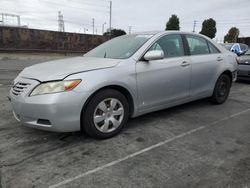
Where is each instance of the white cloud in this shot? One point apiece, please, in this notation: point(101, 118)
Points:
point(140, 14)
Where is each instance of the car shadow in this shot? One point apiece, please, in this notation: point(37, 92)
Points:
point(166, 113)
point(243, 81)
point(32, 142)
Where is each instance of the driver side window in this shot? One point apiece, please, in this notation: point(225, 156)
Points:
point(171, 45)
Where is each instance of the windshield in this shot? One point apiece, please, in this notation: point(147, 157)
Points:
point(119, 48)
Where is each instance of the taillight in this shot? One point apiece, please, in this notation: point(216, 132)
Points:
point(237, 60)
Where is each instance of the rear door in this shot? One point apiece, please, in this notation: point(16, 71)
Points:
point(205, 59)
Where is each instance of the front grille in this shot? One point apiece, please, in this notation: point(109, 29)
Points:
point(19, 87)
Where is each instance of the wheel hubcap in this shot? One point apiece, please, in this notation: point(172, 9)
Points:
point(222, 89)
point(108, 115)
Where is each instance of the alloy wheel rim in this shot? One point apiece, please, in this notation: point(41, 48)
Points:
point(108, 115)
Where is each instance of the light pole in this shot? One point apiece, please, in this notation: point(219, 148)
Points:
point(103, 27)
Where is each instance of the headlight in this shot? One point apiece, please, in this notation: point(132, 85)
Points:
point(55, 87)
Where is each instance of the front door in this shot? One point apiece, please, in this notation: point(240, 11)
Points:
point(167, 80)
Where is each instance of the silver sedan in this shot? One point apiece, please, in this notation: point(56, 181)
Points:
point(125, 77)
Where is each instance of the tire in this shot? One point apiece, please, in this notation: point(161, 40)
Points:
point(221, 89)
point(105, 114)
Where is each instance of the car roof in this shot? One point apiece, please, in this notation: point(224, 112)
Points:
point(159, 33)
point(162, 32)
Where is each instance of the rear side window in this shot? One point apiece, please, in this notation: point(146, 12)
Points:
point(197, 45)
point(171, 45)
point(213, 49)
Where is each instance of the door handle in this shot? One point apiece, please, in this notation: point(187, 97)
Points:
point(185, 64)
point(219, 58)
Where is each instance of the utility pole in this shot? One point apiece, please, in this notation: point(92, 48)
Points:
point(60, 22)
point(103, 27)
point(195, 23)
point(93, 25)
point(110, 16)
point(129, 29)
point(18, 21)
point(2, 20)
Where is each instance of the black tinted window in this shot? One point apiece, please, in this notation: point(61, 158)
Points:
point(171, 45)
point(197, 45)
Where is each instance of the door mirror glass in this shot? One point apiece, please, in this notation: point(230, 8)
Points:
point(154, 55)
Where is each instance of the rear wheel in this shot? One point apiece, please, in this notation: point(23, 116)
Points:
point(221, 90)
point(106, 114)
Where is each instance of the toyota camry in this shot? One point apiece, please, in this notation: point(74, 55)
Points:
point(123, 78)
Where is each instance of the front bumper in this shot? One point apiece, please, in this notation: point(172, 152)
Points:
point(58, 112)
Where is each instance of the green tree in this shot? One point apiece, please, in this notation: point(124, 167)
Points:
point(115, 33)
point(209, 28)
point(173, 23)
point(232, 35)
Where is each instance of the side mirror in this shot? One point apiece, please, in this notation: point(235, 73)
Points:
point(154, 55)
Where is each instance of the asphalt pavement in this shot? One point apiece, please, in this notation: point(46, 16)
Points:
point(193, 145)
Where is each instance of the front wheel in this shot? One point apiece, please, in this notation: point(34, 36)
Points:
point(106, 114)
point(221, 89)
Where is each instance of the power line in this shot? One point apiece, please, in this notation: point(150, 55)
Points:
point(96, 5)
point(82, 8)
point(89, 24)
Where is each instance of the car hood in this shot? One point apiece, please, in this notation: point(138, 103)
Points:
point(59, 69)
